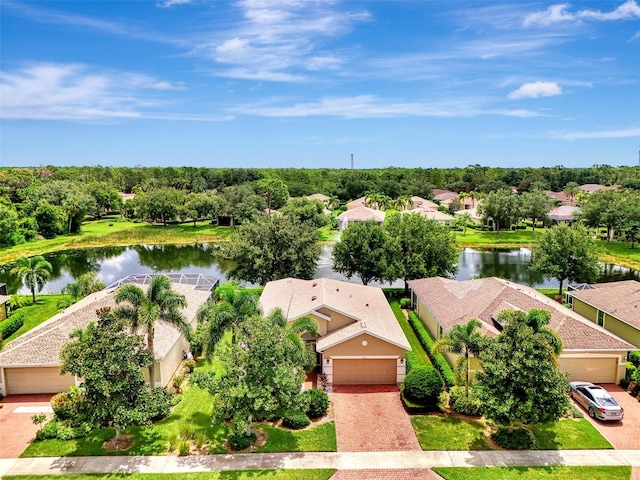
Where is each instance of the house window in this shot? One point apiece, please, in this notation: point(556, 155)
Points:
point(570, 300)
point(414, 301)
point(440, 331)
point(601, 318)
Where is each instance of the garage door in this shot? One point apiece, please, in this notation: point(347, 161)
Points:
point(364, 372)
point(595, 370)
point(36, 380)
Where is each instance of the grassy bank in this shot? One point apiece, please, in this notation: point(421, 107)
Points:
point(119, 232)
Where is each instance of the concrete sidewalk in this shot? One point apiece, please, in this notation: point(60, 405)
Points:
point(337, 460)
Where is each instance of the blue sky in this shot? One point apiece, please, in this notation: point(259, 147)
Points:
point(302, 83)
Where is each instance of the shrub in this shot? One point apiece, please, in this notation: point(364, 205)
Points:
point(461, 403)
point(427, 341)
point(240, 441)
point(196, 339)
point(11, 325)
point(295, 420)
point(634, 357)
point(63, 303)
point(631, 370)
point(318, 402)
point(62, 431)
point(176, 382)
point(64, 405)
point(183, 448)
point(189, 366)
point(158, 404)
point(624, 383)
point(514, 438)
point(423, 385)
point(411, 360)
point(188, 432)
point(201, 439)
point(405, 303)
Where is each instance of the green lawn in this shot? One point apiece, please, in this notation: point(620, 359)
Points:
point(310, 474)
point(620, 253)
point(569, 434)
point(117, 231)
point(45, 307)
point(506, 238)
point(437, 432)
point(534, 473)
point(321, 438)
point(416, 347)
point(194, 412)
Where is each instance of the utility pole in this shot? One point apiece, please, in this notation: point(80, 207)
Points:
point(352, 160)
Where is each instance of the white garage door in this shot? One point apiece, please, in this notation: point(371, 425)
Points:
point(36, 380)
point(364, 372)
point(595, 370)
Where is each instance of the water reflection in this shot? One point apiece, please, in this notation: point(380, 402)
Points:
point(113, 263)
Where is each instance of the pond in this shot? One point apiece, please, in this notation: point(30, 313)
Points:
point(113, 263)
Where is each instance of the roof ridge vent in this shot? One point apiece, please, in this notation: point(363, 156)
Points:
point(314, 298)
point(314, 284)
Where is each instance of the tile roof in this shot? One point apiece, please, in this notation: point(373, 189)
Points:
point(419, 202)
point(432, 214)
point(453, 303)
point(618, 299)
point(592, 187)
point(358, 202)
point(367, 306)
point(41, 345)
point(446, 196)
point(564, 212)
point(360, 214)
point(318, 196)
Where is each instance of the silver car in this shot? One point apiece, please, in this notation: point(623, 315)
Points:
point(596, 400)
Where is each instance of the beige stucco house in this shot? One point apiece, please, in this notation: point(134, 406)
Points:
point(360, 214)
point(3, 306)
point(614, 306)
point(360, 340)
point(590, 353)
point(31, 363)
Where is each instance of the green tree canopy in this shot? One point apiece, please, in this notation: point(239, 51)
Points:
point(262, 378)
point(108, 358)
point(366, 250)
point(536, 206)
point(521, 380)
point(502, 207)
point(86, 284)
point(427, 248)
point(274, 191)
point(271, 247)
point(308, 211)
point(566, 253)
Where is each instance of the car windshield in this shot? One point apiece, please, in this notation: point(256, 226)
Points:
point(607, 402)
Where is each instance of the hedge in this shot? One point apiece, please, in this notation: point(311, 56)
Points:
point(11, 325)
point(427, 342)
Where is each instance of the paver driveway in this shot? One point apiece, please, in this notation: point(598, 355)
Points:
point(370, 418)
point(399, 474)
point(623, 435)
point(16, 429)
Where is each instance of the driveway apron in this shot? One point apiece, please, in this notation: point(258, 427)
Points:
point(371, 418)
point(399, 474)
point(16, 427)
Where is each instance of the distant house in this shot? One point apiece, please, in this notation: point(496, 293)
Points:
point(318, 196)
point(358, 202)
point(31, 362)
point(590, 353)
point(435, 215)
point(564, 213)
point(126, 196)
point(360, 340)
point(3, 301)
point(592, 187)
point(614, 306)
point(422, 203)
point(558, 197)
point(360, 214)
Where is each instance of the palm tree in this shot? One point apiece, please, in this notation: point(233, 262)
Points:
point(34, 271)
point(300, 351)
point(537, 320)
point(463, 219)
point(571, 189)
point(462, 340)
point(230, 307)
point(142, 310)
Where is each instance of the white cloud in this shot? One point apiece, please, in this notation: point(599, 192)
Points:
point(630, 132)
point(535, 90)
point(371, 106)
point(49, 91)
point(171, 3)
point(280, 40)
point(560, 13)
